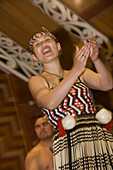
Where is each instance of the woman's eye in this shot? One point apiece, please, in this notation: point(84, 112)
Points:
point(38, 45)
point(47, 40)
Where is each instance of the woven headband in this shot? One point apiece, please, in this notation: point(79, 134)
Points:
point(38, 35)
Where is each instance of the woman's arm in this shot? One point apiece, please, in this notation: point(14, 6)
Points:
point(98, 81)
point(50, 99)
point(102, 80)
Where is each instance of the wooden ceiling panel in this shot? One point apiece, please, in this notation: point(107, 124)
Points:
point(98, 13)
point(79, 6)
point(104, 22)
point(20, 20)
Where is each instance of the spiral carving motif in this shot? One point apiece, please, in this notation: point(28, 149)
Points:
point(74, 24)
point(16, 59)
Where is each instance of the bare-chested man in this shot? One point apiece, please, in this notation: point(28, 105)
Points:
point(41, 157)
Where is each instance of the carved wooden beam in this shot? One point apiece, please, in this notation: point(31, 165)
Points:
point(17, 60)
point(74, 24)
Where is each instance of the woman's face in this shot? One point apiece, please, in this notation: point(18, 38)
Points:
point(45, 49)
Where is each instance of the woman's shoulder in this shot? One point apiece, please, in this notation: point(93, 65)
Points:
point(35, 78)
point(36, 81)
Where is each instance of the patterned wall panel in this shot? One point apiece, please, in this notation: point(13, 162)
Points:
point(12, 143)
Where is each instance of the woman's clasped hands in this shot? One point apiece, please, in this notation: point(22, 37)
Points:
point(89, 49)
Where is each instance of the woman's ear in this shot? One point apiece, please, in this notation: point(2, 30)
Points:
point(34, 57)
point(59, 46)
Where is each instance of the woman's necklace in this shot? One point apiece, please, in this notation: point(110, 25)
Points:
point(60, 78)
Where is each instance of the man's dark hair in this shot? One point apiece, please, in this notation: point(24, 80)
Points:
point(38, 116)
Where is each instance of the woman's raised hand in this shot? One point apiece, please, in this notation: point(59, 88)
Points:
point(81, 57)
point(94, 50)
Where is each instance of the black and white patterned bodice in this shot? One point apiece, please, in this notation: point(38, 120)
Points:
point(78, 101)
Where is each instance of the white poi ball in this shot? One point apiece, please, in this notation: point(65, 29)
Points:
point(104, 116)
point(68, 122)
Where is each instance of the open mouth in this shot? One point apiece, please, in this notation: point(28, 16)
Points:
point(46, 50)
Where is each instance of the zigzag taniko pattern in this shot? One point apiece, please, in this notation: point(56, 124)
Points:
point(78, 101)
point(86, 146)
point(12, 144)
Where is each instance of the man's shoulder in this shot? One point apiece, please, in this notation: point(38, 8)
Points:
point(32, 156)
point(33, 152)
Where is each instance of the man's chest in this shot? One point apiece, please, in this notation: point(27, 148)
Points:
point(45, 160)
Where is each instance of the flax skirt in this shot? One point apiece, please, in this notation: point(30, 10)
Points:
point(88, 146)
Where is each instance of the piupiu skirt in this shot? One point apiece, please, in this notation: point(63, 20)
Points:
point(88, 146)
